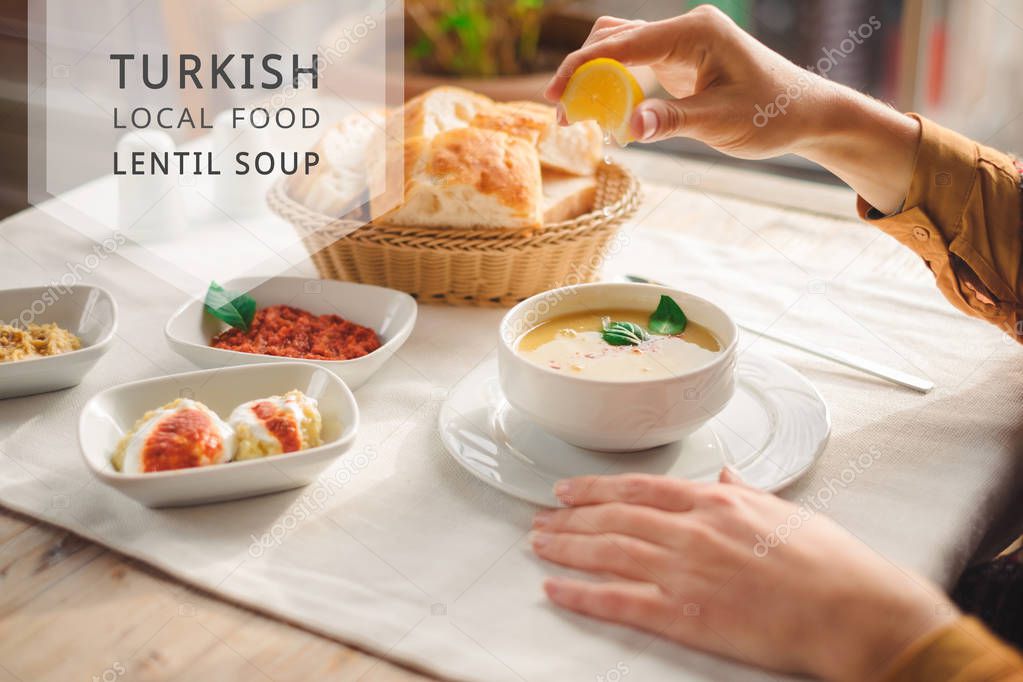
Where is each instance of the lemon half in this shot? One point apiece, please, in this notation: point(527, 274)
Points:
point(604, 91)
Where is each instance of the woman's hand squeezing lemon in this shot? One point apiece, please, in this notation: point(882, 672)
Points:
point(733, 93)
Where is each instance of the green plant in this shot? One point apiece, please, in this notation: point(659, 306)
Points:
point(476, 37)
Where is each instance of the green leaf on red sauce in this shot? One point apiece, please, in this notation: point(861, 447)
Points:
point(236, 308)
point(668, 319)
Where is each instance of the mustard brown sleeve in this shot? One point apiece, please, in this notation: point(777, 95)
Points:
point(964, 651)
point(963, 217)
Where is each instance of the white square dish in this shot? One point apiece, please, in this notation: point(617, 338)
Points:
point(110, 414)
point(391, 314)
point(88, 312)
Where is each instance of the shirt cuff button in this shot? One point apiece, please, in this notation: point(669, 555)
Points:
point(921, 234)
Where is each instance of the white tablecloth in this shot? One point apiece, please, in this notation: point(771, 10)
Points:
point(410, 557)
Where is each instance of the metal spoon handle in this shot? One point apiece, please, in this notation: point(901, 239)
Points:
point(876, 369)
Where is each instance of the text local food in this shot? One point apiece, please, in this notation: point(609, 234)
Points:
point(231, 71)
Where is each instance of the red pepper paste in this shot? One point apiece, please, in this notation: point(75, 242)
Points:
point(182, 440)
point(295, 333)
point(281, 424)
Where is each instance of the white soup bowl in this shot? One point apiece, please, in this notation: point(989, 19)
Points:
point(616, 416)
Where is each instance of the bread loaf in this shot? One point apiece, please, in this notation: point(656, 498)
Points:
point(575, 149)
point(469, 178)
point(453, 158)
point(337, 184)
point(566, 196)
point(520, 122)
point(440, 109)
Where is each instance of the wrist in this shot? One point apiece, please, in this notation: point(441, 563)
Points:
point(888, 625)
point(867, 144)
point(830, 123)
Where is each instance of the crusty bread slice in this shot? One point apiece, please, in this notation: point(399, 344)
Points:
point(440, 109)
point(423, 117)
point(465, 162)
point(575, 149)
point(566, 196)
point(468, 178)
point(337, 183)
point(527, 123)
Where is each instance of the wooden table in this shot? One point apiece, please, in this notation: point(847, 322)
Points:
point(94, 614)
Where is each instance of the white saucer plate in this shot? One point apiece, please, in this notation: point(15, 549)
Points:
point(771, 432)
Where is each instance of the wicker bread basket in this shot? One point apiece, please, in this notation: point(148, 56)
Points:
point(462, 266)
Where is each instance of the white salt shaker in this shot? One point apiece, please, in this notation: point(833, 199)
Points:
point(238, 195)
point(149, 204)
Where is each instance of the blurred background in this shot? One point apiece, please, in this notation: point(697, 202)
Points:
point(959, 62)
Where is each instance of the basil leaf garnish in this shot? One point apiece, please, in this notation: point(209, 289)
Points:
point(623, 333)
point(668, 319)
point(233, 307)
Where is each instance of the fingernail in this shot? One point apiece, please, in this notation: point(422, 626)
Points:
point(542, 518)
point(648, 124)
point(563, 491)
point(732, 473)
point(540, 539)
point(561, 115)
point(552, 588)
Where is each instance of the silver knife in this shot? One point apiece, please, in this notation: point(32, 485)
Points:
point(870, 367)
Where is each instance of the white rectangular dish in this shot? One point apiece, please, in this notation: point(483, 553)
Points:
point(110, 414)
point(88, 312)
point(391, 314)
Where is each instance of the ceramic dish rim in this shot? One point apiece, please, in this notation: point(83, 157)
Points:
point(723, 356)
